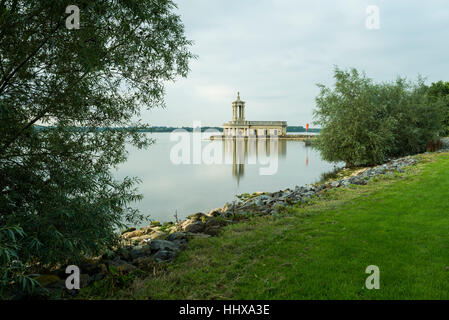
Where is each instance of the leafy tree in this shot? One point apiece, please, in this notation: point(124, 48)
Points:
point(355, 126)
point(56, 187)
point(417, 118)
point(364, 123)
point(439, 92)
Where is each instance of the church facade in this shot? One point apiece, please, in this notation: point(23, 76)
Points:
point(240, 127)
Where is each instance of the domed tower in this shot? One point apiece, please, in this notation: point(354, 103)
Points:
point(238, 109)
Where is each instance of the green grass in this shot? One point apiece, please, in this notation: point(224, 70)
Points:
point(399, 223)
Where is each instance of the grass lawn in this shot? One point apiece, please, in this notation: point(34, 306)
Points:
point(399, 223)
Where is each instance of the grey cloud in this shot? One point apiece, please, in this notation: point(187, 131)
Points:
point(274, 52)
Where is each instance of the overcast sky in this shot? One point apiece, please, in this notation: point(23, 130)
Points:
point(275, 51)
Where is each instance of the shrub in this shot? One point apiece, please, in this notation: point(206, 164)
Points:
point(417, 118)
point(439, 92)
point(356, 128)
point(363, 123)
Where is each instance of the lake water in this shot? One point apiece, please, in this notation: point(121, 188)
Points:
point(170, 188)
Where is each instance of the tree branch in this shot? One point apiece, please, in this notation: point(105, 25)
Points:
point(28, 58)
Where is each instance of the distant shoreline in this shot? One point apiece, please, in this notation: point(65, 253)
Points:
point(162, 129)
point(297, 137)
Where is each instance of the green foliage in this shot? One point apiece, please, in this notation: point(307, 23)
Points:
point(58, 198)
point(155, 223)
point(11, 268)
point(439, 92)
point(111, 284)
point(363, 123)
point(355, 126)
point(417, 119)
point(167, 226)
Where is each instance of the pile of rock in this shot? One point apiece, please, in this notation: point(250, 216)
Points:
point(270, 203)
point(196, 225)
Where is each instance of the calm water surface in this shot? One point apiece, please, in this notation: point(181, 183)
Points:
point(169, 188)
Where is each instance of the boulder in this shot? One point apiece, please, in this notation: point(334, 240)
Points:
point(194, 227)
point(139, 251)
point(147, 237)
point(157, 235)
point(214, 212)
point(123, 254)
point(335, 184)
point(186, 236)
point(248, 204)
point(199, 216)
point(308, 194)
point(120, 265)
point(183, 224)
point(177, 236)
point(265, 197)
point(213, 226)
point(357, 180)
point(226, 207)
point(128, 230)
point(141, 239)
point(137, 233)
point(46, 280)
point(157, 245)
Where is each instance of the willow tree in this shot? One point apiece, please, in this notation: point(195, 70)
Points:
point(365, 123)
point(58, 199)
point(356, 126)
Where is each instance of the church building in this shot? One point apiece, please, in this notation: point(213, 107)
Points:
point(240, 127)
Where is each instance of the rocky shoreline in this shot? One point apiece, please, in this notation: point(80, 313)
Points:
point(146, 247)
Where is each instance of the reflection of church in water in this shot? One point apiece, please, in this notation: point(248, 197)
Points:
point(250, 140)
point(238, 126)
point(241, 151)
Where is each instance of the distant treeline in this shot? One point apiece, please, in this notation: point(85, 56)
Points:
point(301, 129)
point(165, 129)
point(170, 129)
point(189, 129)
point(149, 129)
